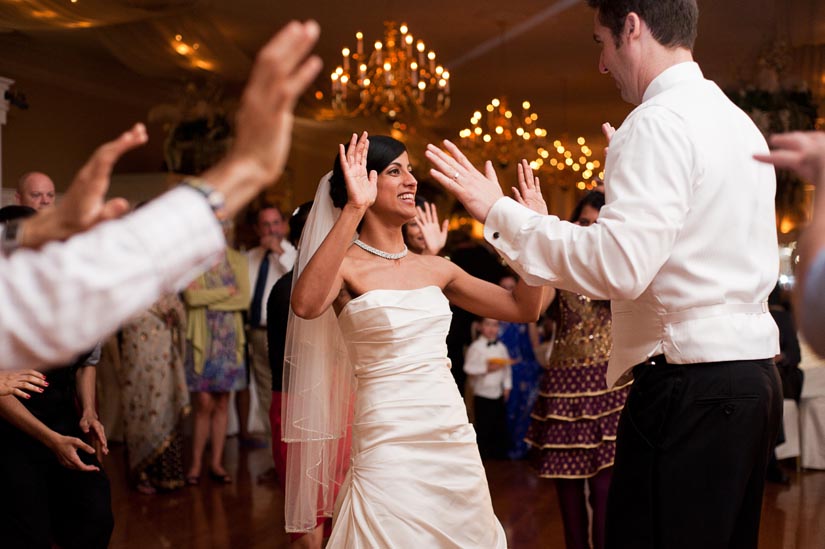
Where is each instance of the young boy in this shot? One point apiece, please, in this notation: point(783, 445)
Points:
point(487, 363)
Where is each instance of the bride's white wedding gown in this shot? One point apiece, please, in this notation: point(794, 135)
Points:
point(416, 478)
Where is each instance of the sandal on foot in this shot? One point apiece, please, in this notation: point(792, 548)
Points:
point(222, 478)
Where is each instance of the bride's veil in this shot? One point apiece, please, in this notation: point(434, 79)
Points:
point(319, 386)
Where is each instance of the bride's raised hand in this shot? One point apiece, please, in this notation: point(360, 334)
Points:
point(529, 192)
point(361, 186)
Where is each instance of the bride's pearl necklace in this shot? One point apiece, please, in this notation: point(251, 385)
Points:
point(380, 253)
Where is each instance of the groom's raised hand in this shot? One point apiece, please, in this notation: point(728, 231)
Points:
point(478, 192)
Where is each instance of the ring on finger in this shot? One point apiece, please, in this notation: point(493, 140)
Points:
point(455, 176)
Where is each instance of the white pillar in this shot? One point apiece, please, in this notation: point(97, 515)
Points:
point(5, 84)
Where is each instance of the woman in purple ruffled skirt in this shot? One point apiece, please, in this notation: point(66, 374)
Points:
point(573, 426)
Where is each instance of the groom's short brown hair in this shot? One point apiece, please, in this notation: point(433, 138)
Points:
point(673, 23)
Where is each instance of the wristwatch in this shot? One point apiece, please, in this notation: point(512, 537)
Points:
point(214, 198)
point(10, 238)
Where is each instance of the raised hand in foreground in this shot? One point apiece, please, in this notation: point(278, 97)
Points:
point(84, 205)
point(263, 129)
point(282, 71)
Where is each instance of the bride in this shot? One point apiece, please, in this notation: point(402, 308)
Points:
point(415, 478)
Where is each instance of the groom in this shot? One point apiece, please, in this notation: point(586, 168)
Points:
point(685, 248)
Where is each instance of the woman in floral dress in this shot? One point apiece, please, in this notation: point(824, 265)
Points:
point(155, 395)
point(215, 363)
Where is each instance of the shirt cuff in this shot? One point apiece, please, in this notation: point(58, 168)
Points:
point(505, 223)
point(287, 259)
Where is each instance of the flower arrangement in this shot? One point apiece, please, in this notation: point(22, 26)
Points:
point(777, 103)
point(198, 129)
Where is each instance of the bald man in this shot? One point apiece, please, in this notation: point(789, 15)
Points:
point(35, 190)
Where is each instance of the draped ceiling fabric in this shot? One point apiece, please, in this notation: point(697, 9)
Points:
point(806, 30)
point(141, 34)
point(62, 14)
point(806, 22)
point(148, 47)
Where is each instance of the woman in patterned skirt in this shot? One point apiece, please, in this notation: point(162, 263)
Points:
point(155, 396)
point(215, 363)
point(574, 422)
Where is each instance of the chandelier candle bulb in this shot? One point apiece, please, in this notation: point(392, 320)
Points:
point(390, 81)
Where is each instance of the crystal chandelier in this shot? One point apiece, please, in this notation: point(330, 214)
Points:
point(564, 163)
point(505, 136)
point(499, 134)
point(399, 78)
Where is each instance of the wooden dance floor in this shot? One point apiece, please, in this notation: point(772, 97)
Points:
point(250, 515)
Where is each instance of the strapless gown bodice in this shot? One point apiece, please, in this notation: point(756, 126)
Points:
point(416, 478)
point(397, 332)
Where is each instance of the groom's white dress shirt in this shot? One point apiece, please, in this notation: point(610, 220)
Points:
point(685, 247)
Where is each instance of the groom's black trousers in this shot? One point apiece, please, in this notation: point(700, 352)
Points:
point(692, 447)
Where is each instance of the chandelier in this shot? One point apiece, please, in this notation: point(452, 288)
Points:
point(399, 78)
point(565, 163)
point(500, 134)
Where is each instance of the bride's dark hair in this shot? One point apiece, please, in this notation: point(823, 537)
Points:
point(383, 150)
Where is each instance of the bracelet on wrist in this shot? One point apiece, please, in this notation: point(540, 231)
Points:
point(214, 197)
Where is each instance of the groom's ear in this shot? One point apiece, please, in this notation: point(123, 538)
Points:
point(632, 25)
